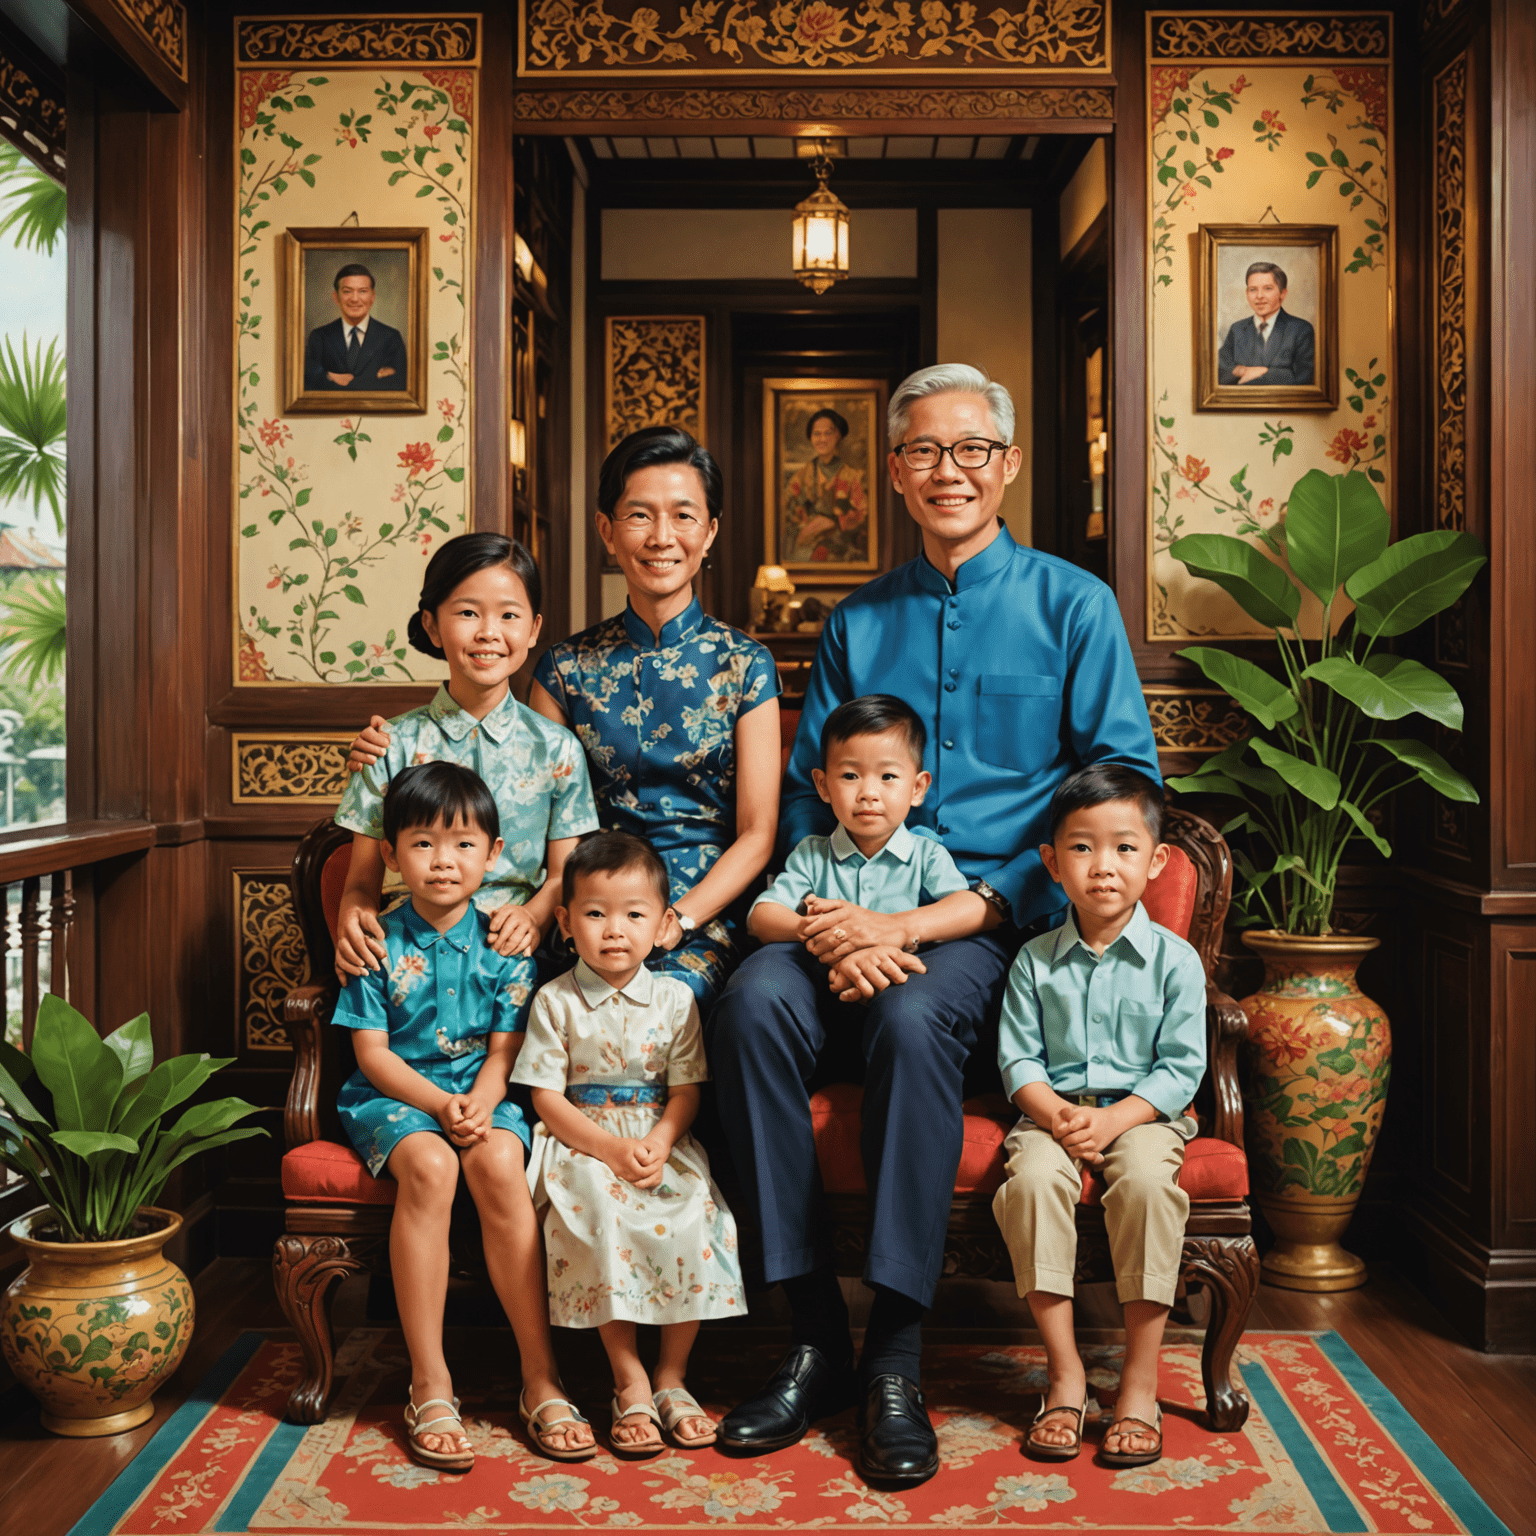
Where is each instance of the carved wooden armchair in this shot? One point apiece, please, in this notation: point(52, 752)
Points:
point(1191, 898)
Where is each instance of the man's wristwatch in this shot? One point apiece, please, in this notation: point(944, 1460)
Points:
point(686, 923)
point(994, 899)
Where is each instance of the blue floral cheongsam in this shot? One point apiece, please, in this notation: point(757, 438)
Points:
point(658, 720)
point(533, 768)
point(440, 995)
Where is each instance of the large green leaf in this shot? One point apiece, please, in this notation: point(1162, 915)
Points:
point(1414, 580)
point(17, 1102)
point(1389, 687)
point(91, 1143)
point(1261, 587)
point(37, 210)
point(1207, 784)
point(32, 426)
point(75, 1066)
point(1319, 785)
point(166, 1087)
point(1230, 763)
point(1266, 699)
point(207, 1144)
point(207, 1119)
point(1430, 766)
point(1334, 525)
point(134, 1047)
point(1366, 830)
point(32, 629)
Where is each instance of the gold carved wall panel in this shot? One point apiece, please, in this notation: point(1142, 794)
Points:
point(958, 104)
point(1275, 37)
point(559, 39)
point(1200, 720)
point(655, 374)
point(269, 957)
point(32, 115)
point(274, 768)
point(163, 25)
point(420, 42)
point(1450, 289)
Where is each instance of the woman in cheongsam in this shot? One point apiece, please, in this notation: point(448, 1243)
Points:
point(826, 513)
point(678, 712)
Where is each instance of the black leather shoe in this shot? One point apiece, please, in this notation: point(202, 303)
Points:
point(806, 1386)
point(897, 1445)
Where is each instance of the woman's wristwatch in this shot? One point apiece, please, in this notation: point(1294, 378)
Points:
point(686, 923)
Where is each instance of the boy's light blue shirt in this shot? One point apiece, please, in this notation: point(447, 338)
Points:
point(913, 869)
point(1131, 1020)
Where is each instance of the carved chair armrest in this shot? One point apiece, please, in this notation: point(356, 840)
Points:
point(306, 1012)
point(1226, 1028)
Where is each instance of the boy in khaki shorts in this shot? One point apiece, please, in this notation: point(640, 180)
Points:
point(1101, 1045)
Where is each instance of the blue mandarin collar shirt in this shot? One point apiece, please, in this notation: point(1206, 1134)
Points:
point(1131, 1020)
point(912, 870)
point(1020, 669)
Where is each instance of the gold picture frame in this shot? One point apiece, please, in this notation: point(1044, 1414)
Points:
point(1308, 257)
point(308, 259)
point(822, 498)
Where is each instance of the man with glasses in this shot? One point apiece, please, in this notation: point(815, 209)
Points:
point(1019, 665)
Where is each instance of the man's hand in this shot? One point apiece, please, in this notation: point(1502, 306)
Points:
point(832, 930)
point(857, 977)
point(359, 941)
point(371, 744)
point(385, 373)
point(341, 379)
point(513, 931)
point(1083, 1132)
point(1248, 371)
point(625, 1159)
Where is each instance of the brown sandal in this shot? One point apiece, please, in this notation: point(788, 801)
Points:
point(1130, 1426)
point(1038, 1450)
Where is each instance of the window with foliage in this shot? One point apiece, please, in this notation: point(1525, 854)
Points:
point(32, 545)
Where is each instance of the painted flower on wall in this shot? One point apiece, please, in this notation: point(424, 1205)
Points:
point(1346, 444)
point(417, 459)
point(1194, 470)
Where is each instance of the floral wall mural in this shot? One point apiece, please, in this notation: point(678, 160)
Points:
point(1257, 130)
point(337, 514)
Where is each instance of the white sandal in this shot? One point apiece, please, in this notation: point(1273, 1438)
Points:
point(635, 1451)
point(675, 1405)
point(416, 1426)
point(537, 1429)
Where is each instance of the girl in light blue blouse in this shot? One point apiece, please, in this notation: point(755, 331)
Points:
point(479, 612)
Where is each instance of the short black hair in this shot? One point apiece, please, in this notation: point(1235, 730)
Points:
point(1268, 266)
point(873, 715)
point(353, 269)
point(455, 562)
point(426, 794)
point(1100, 783)
point(606, 853)
point(658, 445)
point(826, 413)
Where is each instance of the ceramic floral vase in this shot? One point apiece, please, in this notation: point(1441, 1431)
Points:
point(92, 1329)
point(1318, 1057)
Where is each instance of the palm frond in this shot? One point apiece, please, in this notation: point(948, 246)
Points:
point(37, 201)
point(32, 426)
point(32, 630)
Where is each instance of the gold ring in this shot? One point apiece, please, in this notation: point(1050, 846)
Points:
point(839, 935)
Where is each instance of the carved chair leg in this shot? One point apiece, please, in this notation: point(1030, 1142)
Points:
point(1229, 1269)
point(305, 1271)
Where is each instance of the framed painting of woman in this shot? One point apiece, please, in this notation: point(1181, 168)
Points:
point(821, 492)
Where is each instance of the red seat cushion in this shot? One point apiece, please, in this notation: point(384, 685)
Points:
point(325, 1172)
point(1170, 899)
point(1213, 1170)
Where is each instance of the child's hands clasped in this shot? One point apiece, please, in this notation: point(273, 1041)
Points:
point(465, 1119)
point(1084, 1133)
point(639, 1162)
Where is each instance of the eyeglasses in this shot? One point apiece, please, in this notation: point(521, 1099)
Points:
point(973, 453)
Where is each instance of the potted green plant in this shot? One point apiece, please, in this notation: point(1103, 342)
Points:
point(1324, 755)
point(100, 1317)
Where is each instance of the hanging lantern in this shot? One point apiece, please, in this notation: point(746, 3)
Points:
point(820, 249)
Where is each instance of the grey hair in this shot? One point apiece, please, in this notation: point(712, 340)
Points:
point(948, 379)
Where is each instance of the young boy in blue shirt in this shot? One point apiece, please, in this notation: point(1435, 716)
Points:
point(1101, 1045)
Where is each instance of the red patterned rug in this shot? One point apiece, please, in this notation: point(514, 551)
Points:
point(1326, 1448)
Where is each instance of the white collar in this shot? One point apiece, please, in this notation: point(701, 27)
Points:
point(361, 327)
point(899, 845)
point(595, 990)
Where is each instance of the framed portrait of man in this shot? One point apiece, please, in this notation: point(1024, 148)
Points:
point(1267, 318)
point(823, 472)
point(354, 321)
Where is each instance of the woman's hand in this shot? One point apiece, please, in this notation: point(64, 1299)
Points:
point(369, 746)
point(671, 934)
point(857, 977)
point(359, 940)
point(833, 930)
point(514, 931)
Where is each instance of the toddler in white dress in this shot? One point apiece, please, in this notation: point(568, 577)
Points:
point(634, 1228)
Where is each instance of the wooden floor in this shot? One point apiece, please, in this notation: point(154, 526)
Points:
point(1480, 1409)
